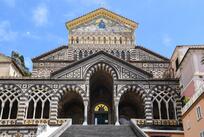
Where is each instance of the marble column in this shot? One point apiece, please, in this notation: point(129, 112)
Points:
point(117, 112)
point(85, 112)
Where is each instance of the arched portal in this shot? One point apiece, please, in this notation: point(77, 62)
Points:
point(130, 106)
point(101, 98)
point(71, 106)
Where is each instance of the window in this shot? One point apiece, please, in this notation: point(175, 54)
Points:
point(72, 40)
point(198, 113)
point(77, 40)
point(115, 40)
point(202, 134)
point(104, 40)
point(121, 40)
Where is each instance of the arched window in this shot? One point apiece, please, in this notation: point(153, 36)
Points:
point(104, 40)
point(128, 56)
point(85, 53)
point(156, 110)
point(9, 98)
point(112, 52)
point(75, 55)
point(39, 102)
point(90, 52)
point(164, 104)
point(115, 40)
point(117, 54)
point(72, 40)
point(80, 54)
point(121, 40)
point(123, 55)
point(77, 40)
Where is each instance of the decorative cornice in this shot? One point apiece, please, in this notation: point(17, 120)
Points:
point(100, 12)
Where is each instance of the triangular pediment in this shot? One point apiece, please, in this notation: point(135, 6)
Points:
point(53, 55)
point(101, 13)
point(101, 24)
point(79, 69)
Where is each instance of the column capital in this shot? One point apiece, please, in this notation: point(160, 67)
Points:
point(116, 100)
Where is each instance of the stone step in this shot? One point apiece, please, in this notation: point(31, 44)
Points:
point(99, 131)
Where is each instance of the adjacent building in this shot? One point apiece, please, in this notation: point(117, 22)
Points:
point(188, 66)
point(10, 67)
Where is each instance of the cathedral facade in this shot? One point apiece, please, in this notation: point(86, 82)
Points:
point(100, 77)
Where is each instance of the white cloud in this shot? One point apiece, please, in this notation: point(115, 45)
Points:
point(6, 34)
point(167, 40)
point(10, 3)
point(40, 15)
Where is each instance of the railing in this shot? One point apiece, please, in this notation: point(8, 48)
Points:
point(136, 128)
point(165, 122)
point(160, 122)
point(36, 121)
point(43, 121)
point(8, 121)
point(31, 121)
point(61, 121)
point(140, 121)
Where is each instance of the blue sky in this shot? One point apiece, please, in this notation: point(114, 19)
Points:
point(33, 27)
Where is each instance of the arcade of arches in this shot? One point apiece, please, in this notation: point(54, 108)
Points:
point(101, 107)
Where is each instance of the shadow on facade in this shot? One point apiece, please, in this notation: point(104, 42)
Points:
point(131, 106)
point(71, 106)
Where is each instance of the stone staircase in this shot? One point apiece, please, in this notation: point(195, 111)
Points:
point(100, 131)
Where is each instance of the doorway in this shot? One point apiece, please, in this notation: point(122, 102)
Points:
point(101, 98)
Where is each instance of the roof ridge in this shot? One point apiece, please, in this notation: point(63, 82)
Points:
point(150, 51)
point(49, 52)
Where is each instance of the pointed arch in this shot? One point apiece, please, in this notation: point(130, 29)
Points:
point(166, 101)
point(9, 99)
point(71, 103)
point(131, 103)
point(38, 96)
